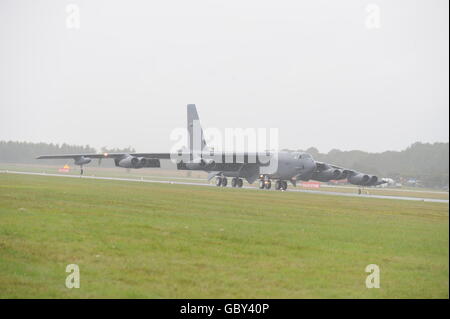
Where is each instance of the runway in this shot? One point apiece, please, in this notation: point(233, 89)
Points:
point(446, 201)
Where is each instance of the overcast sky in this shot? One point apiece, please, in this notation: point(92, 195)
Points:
point(330, 74)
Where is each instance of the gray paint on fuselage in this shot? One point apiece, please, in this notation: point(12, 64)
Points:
point(288, 165)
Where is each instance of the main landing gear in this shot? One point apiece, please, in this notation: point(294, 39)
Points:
point(237, 182)
point(223, 181)
point(265, 183)
point(281, 185)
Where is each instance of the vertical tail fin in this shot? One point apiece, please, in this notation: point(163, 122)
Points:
point(196, 138)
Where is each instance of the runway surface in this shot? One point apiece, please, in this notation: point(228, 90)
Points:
point(245, 187)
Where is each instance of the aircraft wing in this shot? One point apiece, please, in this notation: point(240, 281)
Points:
point(107, 155)
point(324, 166)
point(221, 157)
point(326, 172)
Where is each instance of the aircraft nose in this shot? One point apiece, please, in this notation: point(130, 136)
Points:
point(308, 166)
point(311, 166)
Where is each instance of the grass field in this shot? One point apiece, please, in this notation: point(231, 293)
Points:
point(147, 240)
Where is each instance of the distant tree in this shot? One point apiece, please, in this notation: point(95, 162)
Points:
point(313, 151)
point(24, 152)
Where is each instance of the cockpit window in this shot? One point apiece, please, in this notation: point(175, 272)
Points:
point(299, 156)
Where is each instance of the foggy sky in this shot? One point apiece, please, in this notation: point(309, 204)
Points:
point(310, 68)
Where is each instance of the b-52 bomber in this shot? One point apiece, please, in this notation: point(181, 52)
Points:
point(266, 167)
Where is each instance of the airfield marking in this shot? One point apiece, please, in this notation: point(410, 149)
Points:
point(246, 187)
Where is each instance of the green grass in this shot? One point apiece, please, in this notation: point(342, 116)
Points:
point(147, 240)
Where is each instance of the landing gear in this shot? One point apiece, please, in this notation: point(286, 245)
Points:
point(265, 183)
point(81, 170)
point(281, 185)
point(236, 182)
point(224, 182)
point(261, 184)
point(278, 185)
point(221, 181)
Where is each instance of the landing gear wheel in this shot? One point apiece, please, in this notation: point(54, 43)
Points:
point(261, 184)
point(240, 182)
point(233, 182)
point(268, 184)
point(278, 185)
point(218, 181)
point(283, 185)
point(224, 181)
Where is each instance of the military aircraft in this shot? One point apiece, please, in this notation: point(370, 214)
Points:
point(267, 166)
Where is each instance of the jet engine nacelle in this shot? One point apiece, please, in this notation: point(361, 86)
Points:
point(137, 162)
point(328, 175)
point(82, 160)
point(373, 181)
point(142, 162)
point(131, 162)
point(362, 179)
